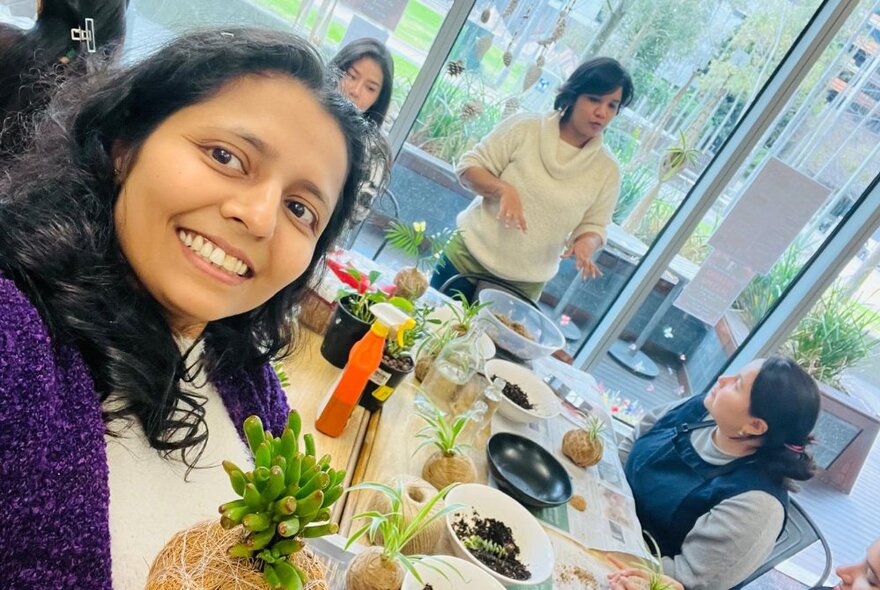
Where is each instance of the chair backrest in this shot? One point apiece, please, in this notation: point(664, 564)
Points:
point(478, 277)
point(799, 533)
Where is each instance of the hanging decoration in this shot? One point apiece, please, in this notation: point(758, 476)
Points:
point(507, 58)
point(483, 45)
point(533, 74)
point(455, 68)
point(486, 15)
point(470, 110)
point(511, 107)
point(508, 10)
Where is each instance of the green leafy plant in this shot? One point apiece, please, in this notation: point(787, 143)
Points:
point(278, 367)
point(678, 157)
point(412, 239)
point(657, 580)
point(393, 527)
point(833, 336)
point(361, 292)
point(439, 430)
point(284, 500)
point(464, 316)
point(594, 427)
point(421, 314)
point(764, 289)
point(478, 543)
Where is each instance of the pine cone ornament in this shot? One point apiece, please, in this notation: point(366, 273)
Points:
point(485, 15)
point(511, 107)
point(508, 10)
point(471, 109)
point(533, 74)
point(507, 58)
point(455, 68)
point(483, 45)
point(540, 61)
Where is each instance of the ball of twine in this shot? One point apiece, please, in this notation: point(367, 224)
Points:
point(581, 449)
point(440, 470)
point(198, 559)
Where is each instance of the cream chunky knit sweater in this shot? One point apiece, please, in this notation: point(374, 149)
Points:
point(565, 192)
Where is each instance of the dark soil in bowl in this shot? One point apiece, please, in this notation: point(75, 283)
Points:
point(515, 394)
point(427, 587)
point(505, 559)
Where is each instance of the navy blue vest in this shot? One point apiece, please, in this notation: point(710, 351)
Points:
point(673, 486)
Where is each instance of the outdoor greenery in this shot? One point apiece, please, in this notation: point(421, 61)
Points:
point(833, 336)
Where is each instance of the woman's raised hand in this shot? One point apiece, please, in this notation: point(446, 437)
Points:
point(510, 210)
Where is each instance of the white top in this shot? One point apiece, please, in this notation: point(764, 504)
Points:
point(565, 192)
point(149, 499)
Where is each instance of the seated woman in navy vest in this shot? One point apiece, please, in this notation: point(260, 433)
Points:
point(710, 475)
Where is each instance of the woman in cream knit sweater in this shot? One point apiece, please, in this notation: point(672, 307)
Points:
point(546, 186)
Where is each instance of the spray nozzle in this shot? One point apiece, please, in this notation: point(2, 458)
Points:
point(389, 317)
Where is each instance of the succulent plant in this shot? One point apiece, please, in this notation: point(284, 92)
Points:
point(284, 500)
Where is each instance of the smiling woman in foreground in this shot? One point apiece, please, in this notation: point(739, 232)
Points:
point(155, 239)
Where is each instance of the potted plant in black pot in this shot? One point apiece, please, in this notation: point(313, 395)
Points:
point(397, 359)
point(352, 318)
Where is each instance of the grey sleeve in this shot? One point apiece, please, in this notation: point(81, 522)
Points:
point(728, 543)
point(647, 423)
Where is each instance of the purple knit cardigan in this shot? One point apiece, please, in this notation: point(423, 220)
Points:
point(54, 530)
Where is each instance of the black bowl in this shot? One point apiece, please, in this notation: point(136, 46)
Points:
point(527, 472)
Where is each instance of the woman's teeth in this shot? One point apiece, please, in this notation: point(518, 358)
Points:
point(213, 253)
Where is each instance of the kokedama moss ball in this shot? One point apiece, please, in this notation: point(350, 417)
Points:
point(411, 283)
point(416, 494)
point(441, 470)
point(582, 448)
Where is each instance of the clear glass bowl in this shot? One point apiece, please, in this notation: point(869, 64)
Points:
point(547, 337)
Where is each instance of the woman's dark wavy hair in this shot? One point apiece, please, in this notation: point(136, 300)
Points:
point(60, 245)
point(787, 399)
point(31, 61)
point(373, 49)
point(598, 76)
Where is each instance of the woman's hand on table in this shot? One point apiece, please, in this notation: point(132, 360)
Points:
point(583, 249)
point(510, 210)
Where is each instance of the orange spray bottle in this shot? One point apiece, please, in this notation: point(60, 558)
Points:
point(363, 360)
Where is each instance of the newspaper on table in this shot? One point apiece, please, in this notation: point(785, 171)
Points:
point(609, 521)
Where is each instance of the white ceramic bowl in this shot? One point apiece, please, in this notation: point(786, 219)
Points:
point(540, 395)
point(547, 336)
point(536, 552)
point(459, 575)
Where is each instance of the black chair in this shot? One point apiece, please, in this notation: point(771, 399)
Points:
point(487, 278)
point(799, 533)
point(395, 207)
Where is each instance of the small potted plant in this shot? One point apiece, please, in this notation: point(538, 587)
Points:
point(352, 318)
point(415, 493)
point(412, 282)
point(397, 361)
point(383, 568)
point(449, 463)
point(464, 318)
point(260, 539)
point(584, 445)
point(649, 571)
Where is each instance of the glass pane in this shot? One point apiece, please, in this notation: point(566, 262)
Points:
point(696, 67)
point(837, 342)
point(803, 176)
point(407, 27)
